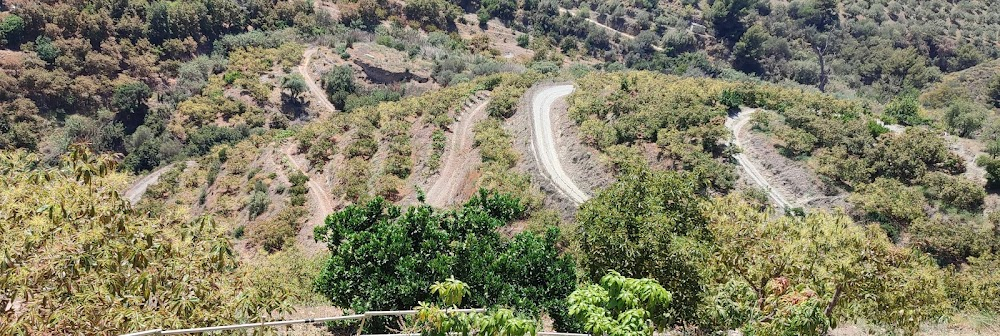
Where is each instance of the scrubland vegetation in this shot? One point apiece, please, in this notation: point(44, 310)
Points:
point(267, 202)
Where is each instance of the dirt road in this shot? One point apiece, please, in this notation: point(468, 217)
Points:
point(317, 92)
point(543, 141)
point(459, 158)
point(135, 191)
point(736, 125)
point(608, 28)
point(319, 208)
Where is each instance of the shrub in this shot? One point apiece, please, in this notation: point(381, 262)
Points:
point(953, 191)
point(964, 117)
point(257, 203)
point(339, 84)
point(904, 109)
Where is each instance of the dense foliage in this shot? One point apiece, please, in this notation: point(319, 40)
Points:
point(78, 259)
point(384, 257)
point(620, 306)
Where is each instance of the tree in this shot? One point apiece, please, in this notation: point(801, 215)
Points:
point(820, 14)
point(800, 275)
point(908, 156)
point(295, 84)
point(11, 30)
point(889, 203)
point(964, 117)
point(339, 83)
point(46, 50)
point(726, 17)
point(993, 90)
point(383, 257)
point(621, 306)
point(436, 14)
point(129, 100)
point(748, 50)
point(992, 167)
point(904, 109)
point(123, 260)
point(641, 226)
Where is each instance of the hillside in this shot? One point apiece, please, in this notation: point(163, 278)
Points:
point(804, 167)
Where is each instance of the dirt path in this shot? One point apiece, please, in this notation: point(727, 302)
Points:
point(319, 208)
point(608, 28)
point(317, 92)
point(736, 125)
point(544, 145)
point(459, 158)
point(135, 191)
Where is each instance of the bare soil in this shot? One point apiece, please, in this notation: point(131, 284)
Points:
point(460, 158)
point(793, 179)
point(319, 205)
point(968, 150)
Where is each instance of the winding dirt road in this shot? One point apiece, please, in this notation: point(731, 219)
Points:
point(459, 158)
point(134, 192)
point(318, 94)
point(321, 207)
point(544, 145)
point(736, 126)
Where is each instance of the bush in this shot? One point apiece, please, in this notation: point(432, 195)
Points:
point(597, 133)
point(964, 117)
point(272, 235)
point(257, 203)
point(954, 191)
point(339, 84)
point(904, 109)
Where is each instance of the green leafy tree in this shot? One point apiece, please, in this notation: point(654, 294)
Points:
point(432, 14)
point(888, 202)
point(965, 117)
point(643, 226)
point(795, 275)
point(992, 167)
point(748, 51)
point(383, 257)
point(339, 83)
point(295, 84)
point(621, 306)
point(904, 109)
point(46, 50)
point(993, 90)
point(726, 17)
point(122, 260)
point(11, 30)
point(129, 100)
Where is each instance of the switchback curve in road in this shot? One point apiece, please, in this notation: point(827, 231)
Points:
point(736, 126)
point(544, 144)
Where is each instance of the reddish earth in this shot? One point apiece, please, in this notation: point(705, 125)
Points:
point(459, 160)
